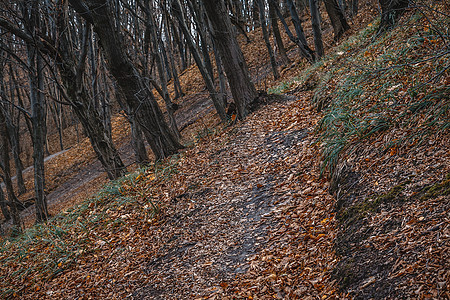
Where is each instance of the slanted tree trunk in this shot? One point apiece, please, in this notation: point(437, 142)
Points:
point(276, 33)
point(391, 10)
point(5, 167)
point(137, 141)
point(305, 51)
point(298, 28)
point(136, 93)
point(273, 63)
point(218, 104)
point(241, 86)
point(30, 13)
point(222, 79)
point(337, 18)
point(71, 74)
point(4, 204)
point(157, 49)
point(176, 82)
point(317, 32)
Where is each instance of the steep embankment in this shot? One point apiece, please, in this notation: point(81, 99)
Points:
point(244, 212)
point(385, 137)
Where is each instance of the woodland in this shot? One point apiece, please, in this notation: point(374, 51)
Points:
point(225, 149)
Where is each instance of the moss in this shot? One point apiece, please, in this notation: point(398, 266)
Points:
point(360, 210)
point(439, 189)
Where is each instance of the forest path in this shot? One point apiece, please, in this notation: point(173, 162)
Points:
point(241, 194)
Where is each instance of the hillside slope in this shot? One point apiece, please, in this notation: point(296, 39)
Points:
point(291, 203)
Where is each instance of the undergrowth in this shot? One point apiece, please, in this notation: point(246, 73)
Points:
point(47, 250)
point(394, 87)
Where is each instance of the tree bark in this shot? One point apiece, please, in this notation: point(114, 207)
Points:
point(5, 167)
point(136, 93)
point(30, 14)
point(13, 134)
point(176, 81)
point(273, 63)
point(305, 51)
point(71, 74)
point(317, 32)
point(276, 33)
point(4, 205)
point(218, 104)
point(299, 29)
point(242, 88)
point(391, 10)
point(337, 18)
point(157, 51)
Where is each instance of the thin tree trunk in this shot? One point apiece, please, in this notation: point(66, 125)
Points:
point(39, 134)
point(4, 165)
point(276, 33)
point(4, 204)
point(137, 94)
point(242, 88)
point(176, 81)
point(13, 138)
point(304, 49)
point(354, 8)
point(218, 104)
point(151, 26)
point(337, 18)
point(262, 18)
point(30, 12)
point(317, 32)
point(298, 28)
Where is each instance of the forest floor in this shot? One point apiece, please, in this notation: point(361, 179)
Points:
point(249, 210)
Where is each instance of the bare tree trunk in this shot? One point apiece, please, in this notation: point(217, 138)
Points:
point(12, 134)
point(176, 82)
point(315, 20)
point(354, 8)
point(137, 141)
point(305, 51)
point(137, 94)
point(157, 51)
point(242, 88)
point(39, 134)
point(222, 79)
point(5, 167)
point(262, 18)
point(38, 111)
point(276, 33)
point(4, 205)
point(299, 30)
point(201, 29)
point(390, 11)
point(218, 104)
point(71, 74)
point(337, 18)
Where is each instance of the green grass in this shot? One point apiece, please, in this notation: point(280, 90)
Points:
point(47, 250)
point(371, 85)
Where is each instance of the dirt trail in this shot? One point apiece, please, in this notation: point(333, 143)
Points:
point(213, 235)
